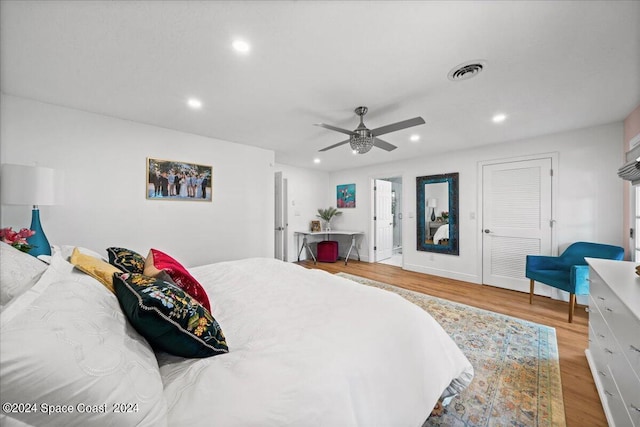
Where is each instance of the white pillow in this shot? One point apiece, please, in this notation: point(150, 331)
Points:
point(66, 342)
point(19, 271)
point(67, 250)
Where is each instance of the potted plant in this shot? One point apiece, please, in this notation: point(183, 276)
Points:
point(327, 215)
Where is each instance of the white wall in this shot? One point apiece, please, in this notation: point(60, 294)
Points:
point(589, 194)
point(104, 162)
point(307, 192)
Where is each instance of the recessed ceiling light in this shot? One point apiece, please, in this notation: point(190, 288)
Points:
point(499, 118)
point(194, 103)
point(241, 46)
point(316, 160)
point(415, 138)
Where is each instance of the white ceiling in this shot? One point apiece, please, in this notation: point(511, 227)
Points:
point(551, 66)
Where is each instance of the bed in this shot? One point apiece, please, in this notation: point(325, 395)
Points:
point(304, 348)
point(442, 233)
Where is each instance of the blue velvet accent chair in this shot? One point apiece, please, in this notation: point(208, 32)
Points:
point(569, 271)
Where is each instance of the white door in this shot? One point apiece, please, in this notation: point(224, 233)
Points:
point(517, 219)
point(281, 248)
point(384, 220)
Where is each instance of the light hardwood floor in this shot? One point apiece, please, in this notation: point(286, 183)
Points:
point(581, 402)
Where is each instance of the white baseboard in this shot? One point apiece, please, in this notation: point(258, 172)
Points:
point(472, 278)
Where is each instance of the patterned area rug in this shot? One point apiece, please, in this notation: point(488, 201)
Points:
point(517, 373)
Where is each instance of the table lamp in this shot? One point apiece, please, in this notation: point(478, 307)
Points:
point(35, 186)
point(432, 203)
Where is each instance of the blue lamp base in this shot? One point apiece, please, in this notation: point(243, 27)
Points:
point(39, 243)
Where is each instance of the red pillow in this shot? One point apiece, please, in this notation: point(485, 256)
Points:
point(158, 261)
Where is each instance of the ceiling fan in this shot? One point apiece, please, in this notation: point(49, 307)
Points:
point(362, 139)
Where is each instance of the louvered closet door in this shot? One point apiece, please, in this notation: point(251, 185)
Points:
point(516, 213)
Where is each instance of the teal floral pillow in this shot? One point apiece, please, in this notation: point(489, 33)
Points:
point(126, 260)
point(169, 318)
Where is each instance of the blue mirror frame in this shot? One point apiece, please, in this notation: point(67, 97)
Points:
point(424, 239)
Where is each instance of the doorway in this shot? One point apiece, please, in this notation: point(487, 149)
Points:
point(387, 220)
point(281, 225)
point(517, 218)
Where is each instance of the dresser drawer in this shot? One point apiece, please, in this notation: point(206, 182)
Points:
point(596, 351)
point(601, 336)
point(627, 332)
point(614, 338)
point(628, 385)
point(599, 291)
point(634, 412)
point(633, 354)
point(619, 319)
point(611, 399)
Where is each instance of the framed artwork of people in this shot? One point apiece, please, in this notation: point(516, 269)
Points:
point(176, 180)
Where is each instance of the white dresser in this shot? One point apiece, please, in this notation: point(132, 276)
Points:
point(614, 338)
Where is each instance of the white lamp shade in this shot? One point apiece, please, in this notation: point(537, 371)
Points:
point(29, 185)
point(432, 203)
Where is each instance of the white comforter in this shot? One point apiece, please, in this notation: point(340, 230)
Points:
point(441, 233)
point(308, 348)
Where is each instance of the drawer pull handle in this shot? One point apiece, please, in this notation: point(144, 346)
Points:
point(601, 335)
point(601, 298)
point(632, 347)
point(602, 373)
point(609, 310)
point(635, 407)
point(608, 351)
point(608, 393)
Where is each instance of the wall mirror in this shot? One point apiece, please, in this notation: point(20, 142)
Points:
point(437, 213)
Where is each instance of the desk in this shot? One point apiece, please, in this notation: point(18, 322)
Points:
point(327, 234)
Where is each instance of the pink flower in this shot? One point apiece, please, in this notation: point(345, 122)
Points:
point(17, 239)
point(25, 233)
point(8, 235)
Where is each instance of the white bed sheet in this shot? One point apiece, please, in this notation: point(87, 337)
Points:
point(310, 348)
point(441, 233)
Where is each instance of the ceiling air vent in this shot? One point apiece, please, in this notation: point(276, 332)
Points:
point(466, 70)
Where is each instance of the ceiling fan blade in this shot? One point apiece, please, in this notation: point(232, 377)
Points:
point(398, 126)
point(337, 129)
point(334, 145)
point(377, 142)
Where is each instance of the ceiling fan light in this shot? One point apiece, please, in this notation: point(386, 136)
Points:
point(241, 46)
point(194, 103)
point(361, 144)
point(499, 118)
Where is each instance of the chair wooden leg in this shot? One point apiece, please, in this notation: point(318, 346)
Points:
point(531, 291)
point(572, 303)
